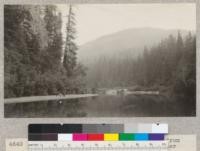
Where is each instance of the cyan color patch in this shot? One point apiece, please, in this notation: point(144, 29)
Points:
point(141, 136)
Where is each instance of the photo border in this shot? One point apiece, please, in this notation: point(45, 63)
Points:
point(17, 127)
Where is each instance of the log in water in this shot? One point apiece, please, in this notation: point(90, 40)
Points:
point(47, 98)
point(69, 96)
point(144, 92)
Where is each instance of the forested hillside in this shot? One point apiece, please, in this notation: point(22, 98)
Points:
point(128, 42)
point(169, 66)
point(35, 63)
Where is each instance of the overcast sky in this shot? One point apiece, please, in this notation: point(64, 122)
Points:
point(96, 20)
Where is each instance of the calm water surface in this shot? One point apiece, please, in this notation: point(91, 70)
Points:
point(101, 106)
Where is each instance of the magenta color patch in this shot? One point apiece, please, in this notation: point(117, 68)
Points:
point(79, 137)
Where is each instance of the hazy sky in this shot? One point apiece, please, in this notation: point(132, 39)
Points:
point(96, 20)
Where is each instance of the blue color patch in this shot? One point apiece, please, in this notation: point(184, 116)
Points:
point(141, 136)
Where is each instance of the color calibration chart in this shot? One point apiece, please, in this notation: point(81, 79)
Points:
point(96, 132)
point(101, 137)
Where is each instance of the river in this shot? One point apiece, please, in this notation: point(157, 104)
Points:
point(101, 106)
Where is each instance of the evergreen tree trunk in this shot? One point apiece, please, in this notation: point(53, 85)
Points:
point(69, 61)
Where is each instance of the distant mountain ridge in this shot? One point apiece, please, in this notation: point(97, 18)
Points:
point(127, 42)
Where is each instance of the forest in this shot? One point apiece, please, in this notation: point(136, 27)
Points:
point(37, 59)
point(168, 67)
point(39, 62)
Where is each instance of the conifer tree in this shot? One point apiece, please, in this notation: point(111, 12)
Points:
point(69, 61)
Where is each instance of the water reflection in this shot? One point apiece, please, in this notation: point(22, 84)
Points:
point(102, 106)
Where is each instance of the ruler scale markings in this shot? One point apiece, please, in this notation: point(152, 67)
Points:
point(98, 146)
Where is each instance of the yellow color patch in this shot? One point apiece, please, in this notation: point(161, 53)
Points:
point(111, 137)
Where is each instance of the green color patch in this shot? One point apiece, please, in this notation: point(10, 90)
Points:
point(126, 136)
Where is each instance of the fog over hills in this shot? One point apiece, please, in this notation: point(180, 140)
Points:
point(129, 42)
